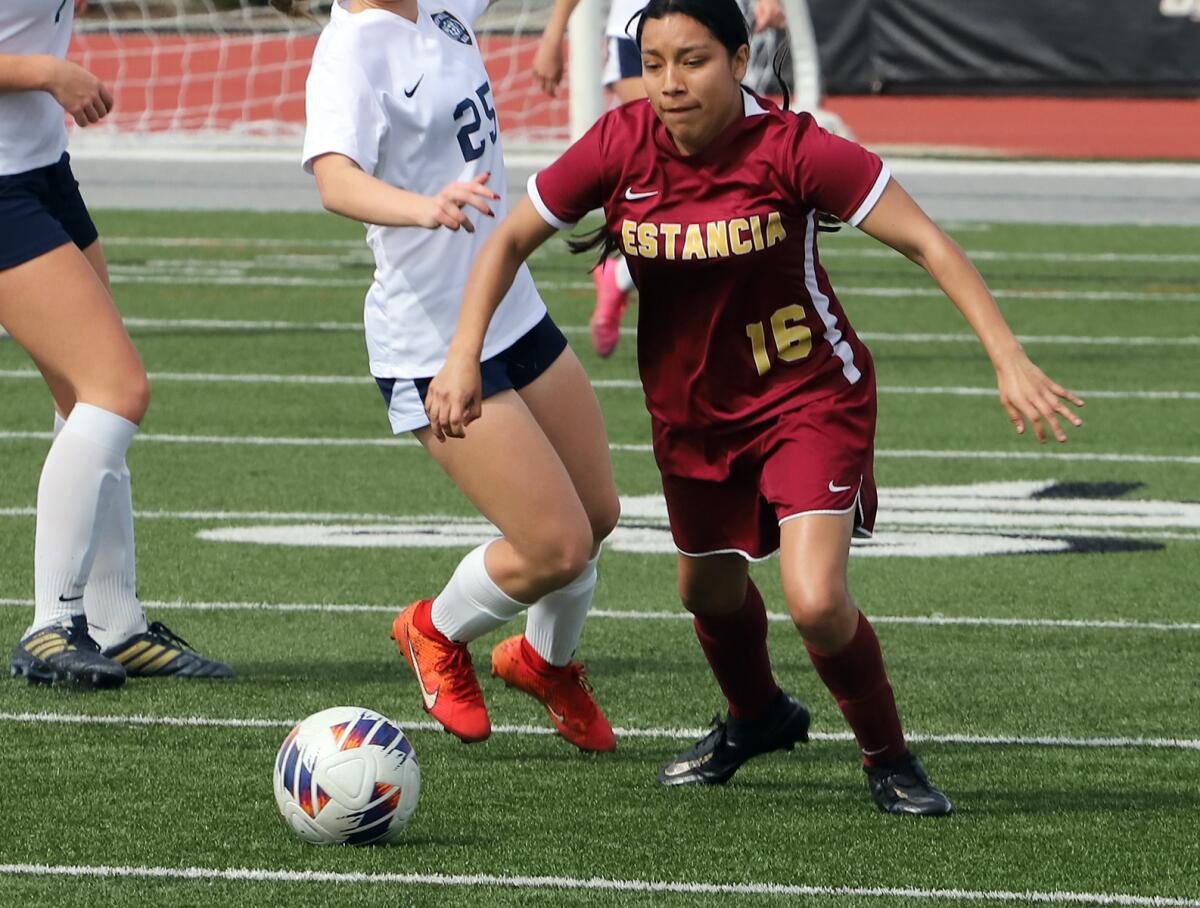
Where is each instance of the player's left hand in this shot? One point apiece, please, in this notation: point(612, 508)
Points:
point(454, 398)
point(768, 14)
point(548, 66)
point(1028, 395)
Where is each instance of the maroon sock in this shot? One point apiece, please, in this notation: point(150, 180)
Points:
point(736, 648)
point(858, 681)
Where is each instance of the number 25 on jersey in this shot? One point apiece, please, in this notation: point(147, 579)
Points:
point(467, 112)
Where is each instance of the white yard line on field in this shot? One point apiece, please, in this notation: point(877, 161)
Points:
point(962, 337)
point(1119, 624)
point(295, 442)
point(593, 884)
point(602, 384)
point(660, 733)
point(830, 249)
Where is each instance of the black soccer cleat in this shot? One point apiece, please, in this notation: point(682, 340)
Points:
point(65, 653)
point(903, 789)
point(158, 651)
point(719, 754)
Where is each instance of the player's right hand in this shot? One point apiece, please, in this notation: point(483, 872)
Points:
point(446, 208)
point(454, 398)
point(80, 93)
point(548, 66)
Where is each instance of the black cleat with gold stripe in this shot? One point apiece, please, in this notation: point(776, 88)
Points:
point(65, 653)
point(158, 652)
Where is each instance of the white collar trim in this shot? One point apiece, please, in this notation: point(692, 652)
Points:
point(751, 105)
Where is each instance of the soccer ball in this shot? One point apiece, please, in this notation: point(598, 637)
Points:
point(347, 775)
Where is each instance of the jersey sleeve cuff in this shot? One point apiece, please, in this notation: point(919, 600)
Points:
point(547, 215)
point(868, 203)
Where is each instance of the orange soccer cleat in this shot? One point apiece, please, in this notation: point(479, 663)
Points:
point(564, 690)
point(450, 691)
point(611, 302)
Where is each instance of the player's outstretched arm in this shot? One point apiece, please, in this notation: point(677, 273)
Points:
point(548, 61)
point(346, 189)
point(81, 94)
point(1027, 394)
point(454, 397)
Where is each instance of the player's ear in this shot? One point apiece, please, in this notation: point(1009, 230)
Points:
point(741, 62)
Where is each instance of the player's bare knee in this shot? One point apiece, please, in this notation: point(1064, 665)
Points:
point(561, 557)
point(132, 399)
point(816, 604)
point(604, 521)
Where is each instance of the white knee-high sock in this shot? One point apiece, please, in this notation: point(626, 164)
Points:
point(471, 604)
point(110, 598)
point(80, 475)
point(554, 623)
point(624, 278)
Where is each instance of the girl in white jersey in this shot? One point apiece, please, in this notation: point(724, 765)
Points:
point(56, 303)
point(402, 135)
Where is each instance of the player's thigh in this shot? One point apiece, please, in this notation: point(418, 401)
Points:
point(713, 584)
point(814, 551)
point(511, 473)
point(629, 89)
point(58, 309)
point(95, 257)
point(564, 405)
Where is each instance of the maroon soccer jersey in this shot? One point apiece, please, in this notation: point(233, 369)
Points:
point(737, 321)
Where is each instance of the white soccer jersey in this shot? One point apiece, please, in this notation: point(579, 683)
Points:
point(411, 103)
point(33, 131)
point(620, 14)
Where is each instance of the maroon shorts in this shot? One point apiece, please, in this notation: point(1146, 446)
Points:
point(729, 492)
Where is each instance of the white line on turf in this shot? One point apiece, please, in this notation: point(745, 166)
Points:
point(293, 442)
point(662, 733)
point(1070, 340)
point(1118, 624)
point(220, 278)
point(830, 249)
point(601, 884)
point(603, 384)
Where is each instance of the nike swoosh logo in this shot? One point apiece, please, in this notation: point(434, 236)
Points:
point(429, 698)
point(871, 753)
point(62, 598)
point(634, 196)
point(409, 92)
point(834, 488)
point(560, 719)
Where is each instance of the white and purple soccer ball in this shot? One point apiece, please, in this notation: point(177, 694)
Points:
point(347, 776)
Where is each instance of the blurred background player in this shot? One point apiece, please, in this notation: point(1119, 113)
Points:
point(762, 397)
point(402, 135)
point(55, 301)
point(623, 77)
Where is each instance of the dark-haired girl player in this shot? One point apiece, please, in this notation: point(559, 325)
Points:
point(762, 396)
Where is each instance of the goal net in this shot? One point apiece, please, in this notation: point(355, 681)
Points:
point(198, 73)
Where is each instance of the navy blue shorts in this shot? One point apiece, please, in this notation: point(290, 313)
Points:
point(623, 61)
point(41, 210)
point(514, 368)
